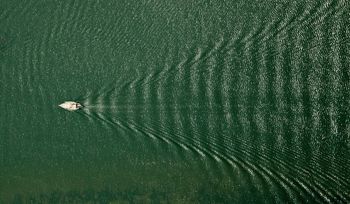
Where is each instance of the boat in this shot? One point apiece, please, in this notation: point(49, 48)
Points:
point(71, 105)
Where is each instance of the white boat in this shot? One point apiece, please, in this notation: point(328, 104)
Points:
point(71, 105)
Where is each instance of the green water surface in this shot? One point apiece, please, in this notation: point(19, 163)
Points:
point(186, 101)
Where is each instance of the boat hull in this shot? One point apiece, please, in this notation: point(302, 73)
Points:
point(71, 105)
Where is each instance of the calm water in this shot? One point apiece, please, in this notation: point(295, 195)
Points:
point(186, 101)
